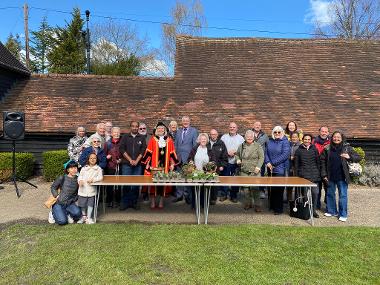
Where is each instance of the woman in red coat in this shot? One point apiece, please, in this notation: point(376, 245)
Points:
point(160, 153)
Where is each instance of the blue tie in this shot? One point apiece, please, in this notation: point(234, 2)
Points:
point(184, 134)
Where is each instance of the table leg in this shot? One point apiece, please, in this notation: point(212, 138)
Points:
point(96, 202)
point(197, 192)
point(310, 203)
point(206, 202)
point(104, 199)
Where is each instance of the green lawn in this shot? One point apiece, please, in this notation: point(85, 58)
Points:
point(186, 254)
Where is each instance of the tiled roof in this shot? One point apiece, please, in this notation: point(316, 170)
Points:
point(216, 81)
point(8, 61)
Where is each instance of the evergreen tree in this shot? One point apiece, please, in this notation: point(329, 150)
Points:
point(40, 45)
point(130, 66)
point(68, 51)
point(13, 44)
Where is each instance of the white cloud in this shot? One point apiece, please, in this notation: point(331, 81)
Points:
point(155, 67)
point(319, 12)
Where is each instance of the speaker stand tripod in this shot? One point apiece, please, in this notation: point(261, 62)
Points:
point(14, 175)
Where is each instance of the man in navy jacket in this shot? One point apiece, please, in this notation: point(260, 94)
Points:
point(185, 140)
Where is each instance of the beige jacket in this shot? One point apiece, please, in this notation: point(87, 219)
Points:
point(89, 173)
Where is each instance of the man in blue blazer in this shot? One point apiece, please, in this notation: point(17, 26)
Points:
point(185, 140)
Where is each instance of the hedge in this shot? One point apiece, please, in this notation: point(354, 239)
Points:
point(53, 163)
point(24, 165)
point(362, 162)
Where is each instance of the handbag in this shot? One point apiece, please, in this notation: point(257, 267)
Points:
point(52, 200)
point(299, 208)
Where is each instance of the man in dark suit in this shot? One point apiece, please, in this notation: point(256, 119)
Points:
point(185, 140)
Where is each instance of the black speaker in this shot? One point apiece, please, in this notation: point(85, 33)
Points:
point(13, 125)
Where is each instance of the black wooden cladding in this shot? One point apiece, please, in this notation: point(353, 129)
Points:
point(39, 143)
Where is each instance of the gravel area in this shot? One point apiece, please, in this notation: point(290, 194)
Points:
point(364, 210)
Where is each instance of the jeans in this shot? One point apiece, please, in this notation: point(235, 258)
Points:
point(343, 199)
point(229, 170)
point(130, 193)
point(60, 213)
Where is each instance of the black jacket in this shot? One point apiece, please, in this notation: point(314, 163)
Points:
point(219, 153)
point(133, 146)
point(307, 163)
point(325, 160)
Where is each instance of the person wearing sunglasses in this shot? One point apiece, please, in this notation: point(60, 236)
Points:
point(276, 160)
point(94, 148)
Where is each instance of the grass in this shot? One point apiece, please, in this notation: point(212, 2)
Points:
point(186, 254)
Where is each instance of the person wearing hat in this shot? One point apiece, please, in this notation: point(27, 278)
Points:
point(65, 188)
point(160, 153)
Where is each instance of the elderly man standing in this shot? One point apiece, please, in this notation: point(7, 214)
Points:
point(185, 140)
point(320, 142)
point(232, 141)
point(220, 154)
point(108, 125)
point(132, 147)
point(261, 138)
point(101, 132)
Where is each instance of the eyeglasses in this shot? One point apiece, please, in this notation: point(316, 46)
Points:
point(142, 128)
point(96, 141)
point(277, 132)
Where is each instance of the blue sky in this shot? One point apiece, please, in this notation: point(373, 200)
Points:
point(282, 19)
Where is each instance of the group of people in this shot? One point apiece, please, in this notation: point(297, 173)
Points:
point(286, 152)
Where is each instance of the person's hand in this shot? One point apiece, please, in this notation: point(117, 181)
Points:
point(257, 170)
point(132, 162)
point(109, 156)
point(231, 152)
point(81, 183)
point(292, 158)
point(221, 168)
point(270, 166)
point(118, 161)
point(345, 155)
point(171, 167)
point(90, 181)
point(147, 167)
point(325, 179)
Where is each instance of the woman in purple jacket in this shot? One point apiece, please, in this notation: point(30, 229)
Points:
point(277, 161)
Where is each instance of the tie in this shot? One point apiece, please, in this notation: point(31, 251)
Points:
point(184, 134)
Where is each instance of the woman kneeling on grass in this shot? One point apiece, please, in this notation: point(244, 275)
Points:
point(65, 210)
point(88, 174)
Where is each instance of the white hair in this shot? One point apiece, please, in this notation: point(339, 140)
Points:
point(249, 133)
point(278, 129)
point(202, 135)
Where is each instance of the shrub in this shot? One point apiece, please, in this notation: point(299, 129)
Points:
point(24, 165)
point(370, 176)
point(53, 163)
point(362, 162)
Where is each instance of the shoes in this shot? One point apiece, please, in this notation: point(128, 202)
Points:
point(246, 207)
point(90, 221)
point(330, 215)
point(212, 202)
point(178, 199)
point(343, 219)
point(258, 209)
point(234, 200)
point(315, 215)
point(82, 220)
point(222, 199)
point(188, 200)
point(70, 219)
point(51, 219)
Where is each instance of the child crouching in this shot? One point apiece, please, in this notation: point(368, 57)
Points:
point(90, 173)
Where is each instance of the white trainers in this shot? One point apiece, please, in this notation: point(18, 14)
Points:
point(82, 220)
point(51, 219)
point(90, 221)
point(343, 219)
point(70, 219)
point(330, 215)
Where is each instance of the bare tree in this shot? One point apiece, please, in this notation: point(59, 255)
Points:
point(115, 41)
point(352, 19)
point(187, 19)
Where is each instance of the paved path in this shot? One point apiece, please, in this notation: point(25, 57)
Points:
point(364, 210)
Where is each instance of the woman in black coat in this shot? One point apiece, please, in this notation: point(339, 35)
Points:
point(307, 165)
point(334, 170)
